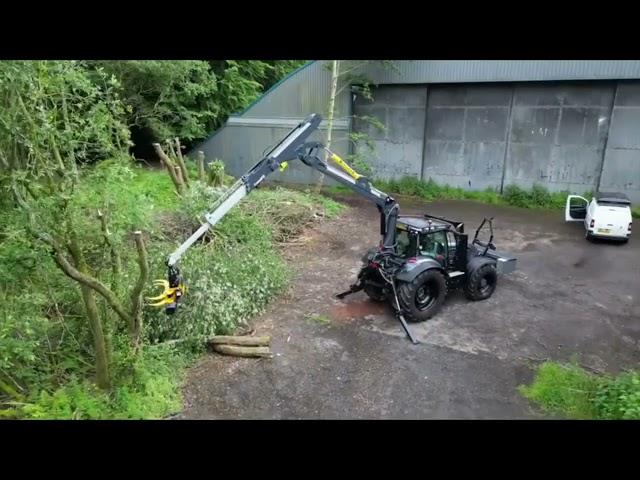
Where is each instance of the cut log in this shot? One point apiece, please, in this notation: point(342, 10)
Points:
point(243, 341)
point(243, 351)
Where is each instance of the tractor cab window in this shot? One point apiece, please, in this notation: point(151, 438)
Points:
point(405, 243)
point(434, 245)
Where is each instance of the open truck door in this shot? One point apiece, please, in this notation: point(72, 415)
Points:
point(576, 208)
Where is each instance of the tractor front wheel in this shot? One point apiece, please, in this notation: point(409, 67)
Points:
point(482, 282)
point(421, 298)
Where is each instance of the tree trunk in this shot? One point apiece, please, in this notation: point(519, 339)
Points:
point(181, 164)
point(136, 294)
point(99, 343)
point(166, 161)
point(242, 341)
point(116, 263)
point(236, 351)
point(178, 171)
point(95, 323)
point(335, 73)
point(201, 173)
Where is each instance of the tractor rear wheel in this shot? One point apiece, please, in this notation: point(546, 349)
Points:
point(421, 298)
point(482, 282)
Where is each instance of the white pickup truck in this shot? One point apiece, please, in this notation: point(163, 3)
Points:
point(607, 215)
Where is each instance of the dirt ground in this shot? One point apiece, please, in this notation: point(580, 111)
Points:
point(568, 299)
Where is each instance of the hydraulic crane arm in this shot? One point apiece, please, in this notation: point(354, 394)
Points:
point(291, 147)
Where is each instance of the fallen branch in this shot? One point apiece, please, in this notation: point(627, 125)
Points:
point(235, 351)
point(243, 341)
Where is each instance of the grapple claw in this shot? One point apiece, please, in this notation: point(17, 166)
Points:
point(173, 289)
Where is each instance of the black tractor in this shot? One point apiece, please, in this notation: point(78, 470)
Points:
point(432, 256)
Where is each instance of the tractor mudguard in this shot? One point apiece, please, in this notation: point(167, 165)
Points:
point(477, 262)
point(412, 270)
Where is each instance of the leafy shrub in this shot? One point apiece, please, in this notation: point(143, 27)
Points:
point(149, 390)
point(568, 390)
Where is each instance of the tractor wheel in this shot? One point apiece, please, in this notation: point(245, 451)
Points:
point(375, 293)
point(421, 298)
point(482, 282)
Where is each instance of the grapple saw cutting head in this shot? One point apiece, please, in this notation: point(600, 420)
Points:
point(174, 289)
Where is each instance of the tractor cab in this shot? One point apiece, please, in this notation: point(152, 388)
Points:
point(427, 236)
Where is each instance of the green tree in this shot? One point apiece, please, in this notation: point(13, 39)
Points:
point(166, 98)
point(53, 119)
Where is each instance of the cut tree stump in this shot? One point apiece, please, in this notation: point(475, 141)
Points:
point(237, 351)
point(242, 341)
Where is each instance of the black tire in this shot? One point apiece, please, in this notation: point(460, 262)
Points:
point(422, 298)
point(482, 282)
point(372, 287)
point(375, 293)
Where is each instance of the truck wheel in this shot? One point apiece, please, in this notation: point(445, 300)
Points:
point(482, 282)
point(421, 298)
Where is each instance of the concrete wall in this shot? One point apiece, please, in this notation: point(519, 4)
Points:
point(557, 135)
point(621, 171)
point(402, 110)
point(563, 135)
point(465, 135)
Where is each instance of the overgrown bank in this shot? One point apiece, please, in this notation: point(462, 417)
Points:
point(46, 364)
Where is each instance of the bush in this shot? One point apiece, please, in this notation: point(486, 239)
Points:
point(568, 390)
point(150, 389)
point(619, 397)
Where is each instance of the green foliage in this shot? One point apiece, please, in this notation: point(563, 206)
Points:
point(54, 115)
point(215, 173)
point(563, 390)
point(635, 212)
point(537, 197)
point(570, 391)
point(148, 390)
point(619, 397)
point(23, 327)
point(169, 98)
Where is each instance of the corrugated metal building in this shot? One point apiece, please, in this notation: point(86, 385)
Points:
point(567, 125)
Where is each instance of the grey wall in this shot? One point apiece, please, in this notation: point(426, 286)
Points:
point(557, 135)
point(563, 135)
point(402, 110)
point(465, 135)
point(621, 171)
